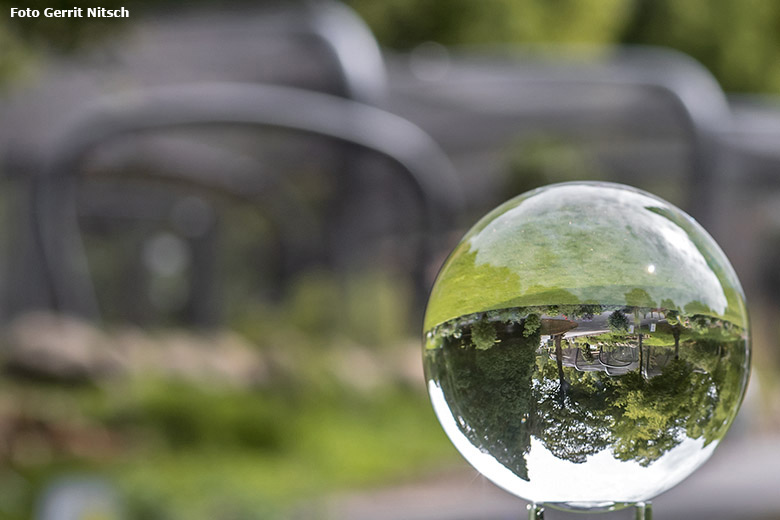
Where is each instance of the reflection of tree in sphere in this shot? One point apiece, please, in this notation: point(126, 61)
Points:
point(586, 345)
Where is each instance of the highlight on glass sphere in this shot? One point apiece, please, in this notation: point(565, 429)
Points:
point(586, 346)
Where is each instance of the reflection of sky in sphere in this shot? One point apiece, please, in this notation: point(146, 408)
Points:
point(555, 480)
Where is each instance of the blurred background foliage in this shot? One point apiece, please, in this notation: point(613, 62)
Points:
point(402, 24)
point(195, 447)
point(736, 41)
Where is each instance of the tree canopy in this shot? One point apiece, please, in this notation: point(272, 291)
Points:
point(504, 389)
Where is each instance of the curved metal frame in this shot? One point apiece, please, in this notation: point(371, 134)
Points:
point(202, 310)
point(426, 167)
point(350, 49)
point(582, 368)
point(622, 364)
point(194, 164)
point(696, 96)
point(352, 46)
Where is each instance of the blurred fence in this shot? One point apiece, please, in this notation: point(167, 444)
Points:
point(508, 118)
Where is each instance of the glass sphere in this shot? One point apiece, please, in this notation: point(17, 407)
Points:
point(586, 345)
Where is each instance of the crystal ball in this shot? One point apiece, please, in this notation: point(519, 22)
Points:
point(586, 346)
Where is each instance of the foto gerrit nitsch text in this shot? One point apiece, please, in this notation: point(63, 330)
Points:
point(75, 12)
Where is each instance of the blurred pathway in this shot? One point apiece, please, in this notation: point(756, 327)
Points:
point(740, 481)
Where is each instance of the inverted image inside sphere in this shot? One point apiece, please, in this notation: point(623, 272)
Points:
point(586, 345)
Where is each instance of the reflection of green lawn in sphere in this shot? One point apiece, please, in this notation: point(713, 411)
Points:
point(586, 243)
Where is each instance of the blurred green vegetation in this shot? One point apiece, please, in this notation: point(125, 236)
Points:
point(180, 450)
point(404, 23)
point(539, 159)
point(738, 41)
point(15, 52)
